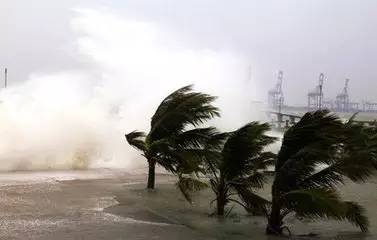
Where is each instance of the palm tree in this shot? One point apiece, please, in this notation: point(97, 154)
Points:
point(169, 137)
point(317, 154)
point(234, 162)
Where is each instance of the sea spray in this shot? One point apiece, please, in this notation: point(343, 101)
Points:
point(77, 118)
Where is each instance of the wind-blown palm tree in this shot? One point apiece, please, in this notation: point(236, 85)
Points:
point(317, 154)
point(234, 163)
point(170, 138)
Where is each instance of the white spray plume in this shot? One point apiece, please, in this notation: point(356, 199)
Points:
point(78, 118)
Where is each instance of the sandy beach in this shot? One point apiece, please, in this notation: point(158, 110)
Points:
point(109, 204)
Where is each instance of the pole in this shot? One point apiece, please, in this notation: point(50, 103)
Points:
point(320, 97)
point(321, 78)
point(6, 77)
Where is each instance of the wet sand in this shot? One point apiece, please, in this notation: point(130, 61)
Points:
point(116, 205)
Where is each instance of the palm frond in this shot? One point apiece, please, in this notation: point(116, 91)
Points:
point(159, 146)
point(211, 153)
point(325, 203)
point(194, 138)
point(189, 161)
point(356, 214)
point(357, 172)
point(352, 118)
point(241, 146)
point(314, 127)
point(355, 159)
point(255, 180)
point(182, 160)
point(302, 165)
point(315, 140)
point(313, 203)
point(188, 185)
point(263, 161)
point(137, 140)
point(181, 108)
point(316, 155)
point(216, 141)
point(353, 154)
point(359, 160)
point(253, 203)
point(326, 177)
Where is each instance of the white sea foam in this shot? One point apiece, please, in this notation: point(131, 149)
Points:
point(77, 118)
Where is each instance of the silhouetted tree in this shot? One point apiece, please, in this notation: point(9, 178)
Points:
point(170, 138)
point(234, 163)
point(318, 153)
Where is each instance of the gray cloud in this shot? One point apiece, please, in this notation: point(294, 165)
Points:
point(303, 38)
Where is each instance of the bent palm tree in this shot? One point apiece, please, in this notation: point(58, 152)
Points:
point(316, 155)
point(168, 138)
point(234, 162)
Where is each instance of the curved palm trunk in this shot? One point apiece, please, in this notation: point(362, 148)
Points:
point(220, 205)
point(274, 220)
point(151, 173)
point(221, 198)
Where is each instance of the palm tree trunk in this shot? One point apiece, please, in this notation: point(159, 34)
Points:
point(221, 197)
point(220, 205)
point(274, 220)
point(151, 173)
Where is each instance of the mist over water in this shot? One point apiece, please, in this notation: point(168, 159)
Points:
point(77, 118)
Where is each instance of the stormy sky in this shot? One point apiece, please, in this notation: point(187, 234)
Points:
point(302, 38)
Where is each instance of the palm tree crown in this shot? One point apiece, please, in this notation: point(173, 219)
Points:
point(170, 137)
point(234, 162)
point(317, 154)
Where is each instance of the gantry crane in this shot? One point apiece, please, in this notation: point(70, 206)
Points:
point(275, 95)
point(315, 97)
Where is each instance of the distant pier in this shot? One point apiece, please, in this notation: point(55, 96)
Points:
point(284, 119)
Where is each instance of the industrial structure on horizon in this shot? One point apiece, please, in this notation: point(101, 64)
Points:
point(275, 95)
point(5, 77)
point(341, 103)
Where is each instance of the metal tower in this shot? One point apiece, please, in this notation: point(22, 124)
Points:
point(342, 101)
point(275, 95)
point(5, 77)
point(315, 97)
